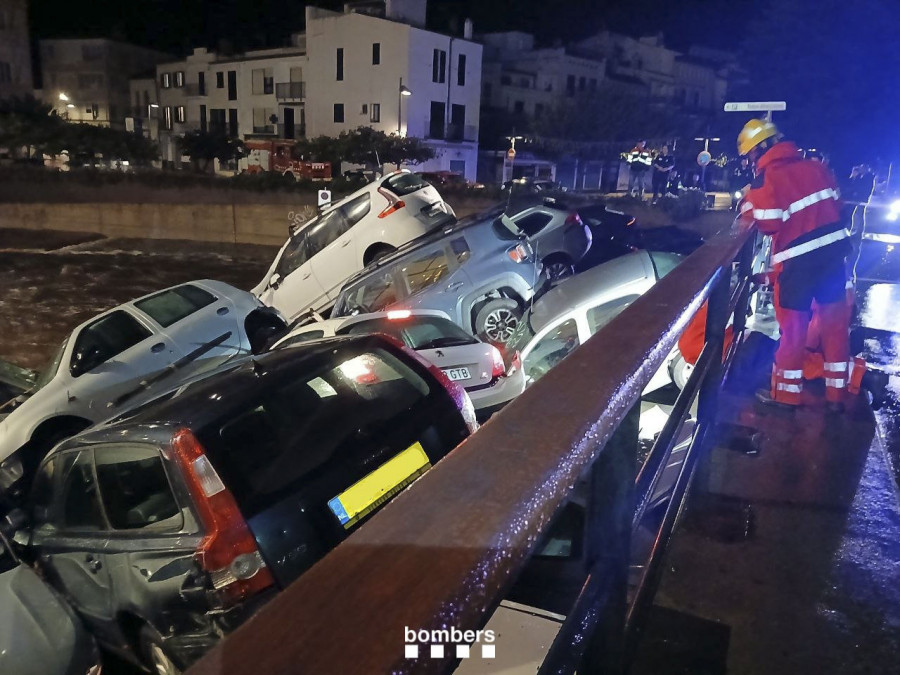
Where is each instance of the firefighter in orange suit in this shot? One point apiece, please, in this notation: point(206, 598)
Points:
point(797, 202)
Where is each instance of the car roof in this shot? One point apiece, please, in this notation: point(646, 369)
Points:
point(202, 401)
point(582, 288)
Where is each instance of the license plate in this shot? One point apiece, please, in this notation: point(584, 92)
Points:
point(457, 374)
point(373, 490)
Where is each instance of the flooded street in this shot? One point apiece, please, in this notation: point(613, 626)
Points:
point(51, 282)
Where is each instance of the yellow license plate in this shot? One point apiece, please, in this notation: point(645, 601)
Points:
point(373, 490)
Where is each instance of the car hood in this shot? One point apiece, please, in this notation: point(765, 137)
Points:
point(39, 633)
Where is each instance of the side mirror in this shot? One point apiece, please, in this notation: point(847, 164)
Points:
point(275, 280)
point(85, 360)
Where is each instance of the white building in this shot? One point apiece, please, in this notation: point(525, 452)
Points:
point(373, 64)
point(89, 80)
point(15, 54)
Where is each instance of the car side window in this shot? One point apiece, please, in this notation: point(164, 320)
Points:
point(425, 269)
point(551, 349)
point(78, 507)
point(105, 338)
point(357, 209)
point(175, 304)
point(533, 223)
point(378, 291)
point(295, 254)
point(328, 228)
point(135, 489)
point(599, 316)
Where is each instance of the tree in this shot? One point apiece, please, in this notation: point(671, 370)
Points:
point(203, 147)
point(363, 145)
point(30, 124)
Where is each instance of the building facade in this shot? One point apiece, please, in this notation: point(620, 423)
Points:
point(89, 80)
point(15, 53)
point(373, 64)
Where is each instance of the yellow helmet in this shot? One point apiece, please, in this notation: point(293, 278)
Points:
point(754, 133)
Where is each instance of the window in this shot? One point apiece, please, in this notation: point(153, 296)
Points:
point(375, 115)
point(233, 122)
point(262, 81)
point(338, 113)
point(326, 230)
point(201, 83)
point(402, 184)
point(461, 71)
point(217, 120)
point(519, 107)
point(376, 53)
point(295, 254)
point(439, 66)
point(220, 80)
point(570, 85)
point(458, 166)
point(262, 121)
point(365, 109)
point(339, 65)
point(105, 338)
point(79, 503)
point(179, 78)
point(533, 223)
point(165, 80)
point(550, 350)
point(232, 85)
point(134, 488)
point(92, 52)
point(538, 109)
point(425, 269)
point(598, 317)
point(581, 83)
point(5, 72)
point(179, 114)
point(357, 209)
point(372, 294)
point(167, 117)
point(175, 304)
point(202, 113)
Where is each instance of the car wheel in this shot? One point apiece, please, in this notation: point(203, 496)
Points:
point(497, 320)
point(680, 370)
point(558, 267)
point(154, 654)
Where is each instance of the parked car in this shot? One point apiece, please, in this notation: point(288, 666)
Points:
point(172, 524)
point(372, 222)
point(450, 179)
point(475, 365)
point(124, 353)
point(39, 633)
point(532, 186)
point(478, 272)
point(556, 232)
point(568, 314)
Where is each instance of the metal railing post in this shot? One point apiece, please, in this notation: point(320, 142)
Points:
point(608, 543)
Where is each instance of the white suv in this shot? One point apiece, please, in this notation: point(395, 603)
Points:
point(373, 221)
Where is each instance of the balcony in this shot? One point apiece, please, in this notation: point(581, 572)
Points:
point(456, 133)
point(266, 129)
point(290, 90)
point(193, 89)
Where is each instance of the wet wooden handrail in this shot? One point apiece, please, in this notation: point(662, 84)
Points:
point(443, 553)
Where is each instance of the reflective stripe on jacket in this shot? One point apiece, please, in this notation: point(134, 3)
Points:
point(795, 200)
point(639, 158)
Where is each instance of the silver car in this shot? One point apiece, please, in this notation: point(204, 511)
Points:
point(478, 272)
point(477, 366)
point(570, 313)
point(557, 233)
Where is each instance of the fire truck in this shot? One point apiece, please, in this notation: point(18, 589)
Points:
point(275, 155)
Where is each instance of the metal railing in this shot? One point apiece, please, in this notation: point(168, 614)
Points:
point(290, 90)
point(445, 552)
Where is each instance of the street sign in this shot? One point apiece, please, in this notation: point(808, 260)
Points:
point(511, 154)
point(324, 197)
point(755, 106)
point(704, 158)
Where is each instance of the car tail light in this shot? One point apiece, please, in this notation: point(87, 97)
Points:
point(518, 253)
point(515, 363)
point(394, 203)
point(499, 368)
point(228, 551)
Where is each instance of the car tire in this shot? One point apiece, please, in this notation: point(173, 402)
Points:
point(680, 370)
point(496, 320)
point(153, 653)
point(558, 267)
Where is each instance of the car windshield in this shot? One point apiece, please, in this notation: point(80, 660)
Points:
point(373, 293)
point(416, 332)
point(52, 368)
point(403, 184)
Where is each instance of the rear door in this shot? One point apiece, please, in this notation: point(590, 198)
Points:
point(334, 255)
point(296, 288)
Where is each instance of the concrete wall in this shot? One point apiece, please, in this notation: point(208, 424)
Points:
point(265, 224)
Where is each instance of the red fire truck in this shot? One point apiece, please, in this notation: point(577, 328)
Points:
point(275, 155)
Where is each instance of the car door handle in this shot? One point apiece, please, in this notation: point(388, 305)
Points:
point(222, 311)
point(346, 243)
point(93, 564)
point(307, 275)
point(455, 285)
point(158, 347)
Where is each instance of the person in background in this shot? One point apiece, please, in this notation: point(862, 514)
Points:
point(639, 162)
point(663, 165)
point(860, 188)
point(740, 178)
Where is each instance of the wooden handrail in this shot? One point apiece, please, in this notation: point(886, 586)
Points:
point(444, 552)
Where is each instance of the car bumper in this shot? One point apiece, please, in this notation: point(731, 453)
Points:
point(493, 397)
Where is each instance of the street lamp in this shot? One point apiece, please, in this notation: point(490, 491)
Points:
point(401, 92)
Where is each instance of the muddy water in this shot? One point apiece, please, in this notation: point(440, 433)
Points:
point(44, 294)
